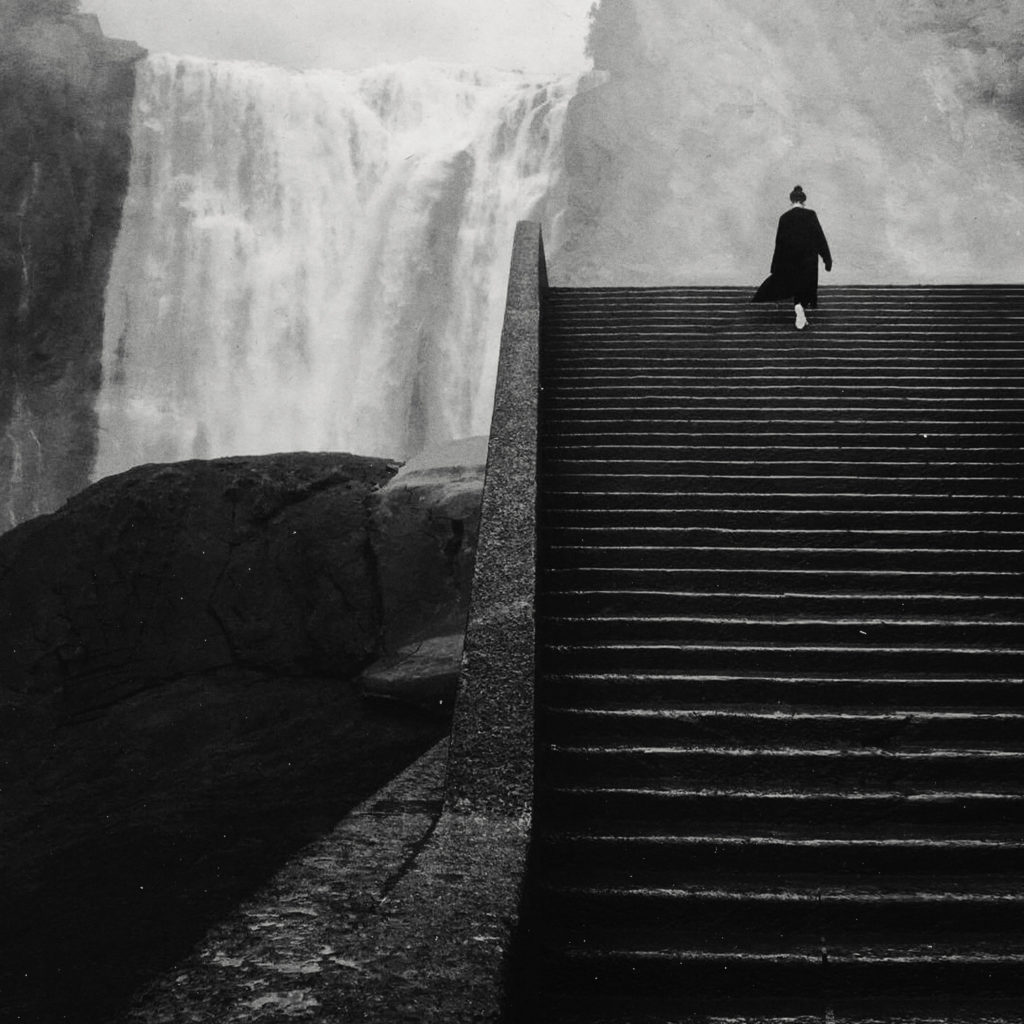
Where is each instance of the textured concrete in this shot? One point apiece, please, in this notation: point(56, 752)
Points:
point(301, 944)
point(492, 741)
point(401, 914)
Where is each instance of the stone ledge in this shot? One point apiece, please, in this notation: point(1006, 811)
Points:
point(403, 913)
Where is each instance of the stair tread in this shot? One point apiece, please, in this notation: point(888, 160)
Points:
point(686, 712)
point(753, 645)
point(835, 834)
point(885, 726)
point(812, 1009)
point(807, 679)
point(670, 944)
point(890, 889)
point(780, 620)
point(668, 789)
point(904, 752)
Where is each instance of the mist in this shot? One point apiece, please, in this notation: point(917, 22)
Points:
point(902, 122)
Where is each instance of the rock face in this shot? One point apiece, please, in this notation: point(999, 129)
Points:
point(425, 534)
point(902, 122)
point(302, 564)
point(65, 105)
point(167, 571)
point(423, 674)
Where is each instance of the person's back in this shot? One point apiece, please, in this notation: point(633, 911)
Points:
point(800, 235)
point(799, 242)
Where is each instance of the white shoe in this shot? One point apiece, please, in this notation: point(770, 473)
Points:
point(801, 317)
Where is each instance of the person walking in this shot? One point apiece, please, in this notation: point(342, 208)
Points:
point(799, 242)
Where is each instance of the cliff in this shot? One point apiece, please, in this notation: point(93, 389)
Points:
point(65, 107)
point(902, 122)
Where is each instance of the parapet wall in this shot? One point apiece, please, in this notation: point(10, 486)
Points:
point(491, 761)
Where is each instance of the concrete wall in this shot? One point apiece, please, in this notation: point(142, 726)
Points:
point(491, 764)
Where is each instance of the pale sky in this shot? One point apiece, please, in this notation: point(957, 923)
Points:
point(534, 35)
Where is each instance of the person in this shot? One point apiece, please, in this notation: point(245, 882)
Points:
point(799, 242)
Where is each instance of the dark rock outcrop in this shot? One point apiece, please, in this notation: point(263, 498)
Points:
point(167, 571)
point(425, 534)
point(65, 112)
point(423, 674)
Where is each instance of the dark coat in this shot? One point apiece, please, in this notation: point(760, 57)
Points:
point(798, 244)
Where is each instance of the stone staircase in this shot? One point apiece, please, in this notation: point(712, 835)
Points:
point(780, 764)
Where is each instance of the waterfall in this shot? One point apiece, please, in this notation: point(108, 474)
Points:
point(317, 260)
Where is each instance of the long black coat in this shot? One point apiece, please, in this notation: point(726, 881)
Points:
point(798, 244)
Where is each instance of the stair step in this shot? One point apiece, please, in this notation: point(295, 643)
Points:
point(776, 579)
point(769, 907)
point(947, 305)
point(861, 426)
point(679, 407)
point(730, 376)
point(614, 497)
point(939, 691)
point(708, 320)
point(879, 850)
point(756, 481)
point(743, 725)
point(626, 803)
point(763, 557)
point(732, 322)
point(798, 658)
point(775, 630)
point(954, 303)
point(676, 765)
point(785, 346)
point(564, 453)
point(791, 967)
point(705, 316)
point(904, 536)
point(604, 359)
point(746, 335)
point(612, 1008)
point(972, 521)
point(784, 604)
point(748, 480)
point(811, 399)
point(735, 383)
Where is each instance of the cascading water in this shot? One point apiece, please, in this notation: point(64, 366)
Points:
point(318, 260)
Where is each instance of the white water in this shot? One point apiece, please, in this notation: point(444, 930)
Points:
point(317, 261)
